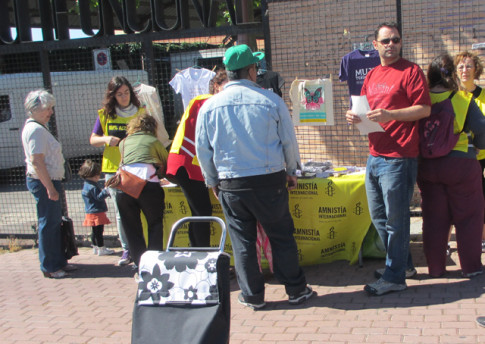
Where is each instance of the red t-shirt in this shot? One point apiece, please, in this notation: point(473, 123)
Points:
point(399, 85)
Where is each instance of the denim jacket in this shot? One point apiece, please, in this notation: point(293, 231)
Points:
point(245, 131)
point(93, 197)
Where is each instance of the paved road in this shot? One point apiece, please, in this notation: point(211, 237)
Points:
point(94, 305)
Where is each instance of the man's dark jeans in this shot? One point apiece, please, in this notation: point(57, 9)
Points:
point(246, 201)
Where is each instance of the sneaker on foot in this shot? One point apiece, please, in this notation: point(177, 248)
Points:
point(95, 250)
point(410, 273)
point(104, 251)
point(472, 274)
point(381, 287)
point(255, 306)
point(448, 250)
point(125, 258)
point(302, 296)
point(57, 274)
point(483, 246)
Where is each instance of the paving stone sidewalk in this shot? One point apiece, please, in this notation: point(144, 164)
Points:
point(95, 303)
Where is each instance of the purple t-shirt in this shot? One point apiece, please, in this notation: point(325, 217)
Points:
point(97, 129)
point(355, 66)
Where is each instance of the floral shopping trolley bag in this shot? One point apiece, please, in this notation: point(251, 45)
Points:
point(183, 293)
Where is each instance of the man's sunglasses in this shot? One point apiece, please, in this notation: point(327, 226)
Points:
point(394, 40)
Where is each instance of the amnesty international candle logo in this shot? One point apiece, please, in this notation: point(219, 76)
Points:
point(331, 233)
point(297, 212)
point(182, 208)
point(330, 189)
point(358, 209)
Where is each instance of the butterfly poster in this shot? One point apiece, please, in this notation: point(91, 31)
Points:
point(312, 102)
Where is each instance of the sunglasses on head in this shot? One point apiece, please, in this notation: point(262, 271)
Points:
point(394, 40)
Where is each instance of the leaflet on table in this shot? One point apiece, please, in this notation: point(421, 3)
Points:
point(360, 106)
point(315, 170)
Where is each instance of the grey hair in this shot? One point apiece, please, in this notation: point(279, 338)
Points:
point(38, 100)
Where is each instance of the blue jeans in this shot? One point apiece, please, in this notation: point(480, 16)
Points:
point(49, 215)
point(242, 209)
point(389, 184)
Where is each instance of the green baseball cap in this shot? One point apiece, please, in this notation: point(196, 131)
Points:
point(240, 56)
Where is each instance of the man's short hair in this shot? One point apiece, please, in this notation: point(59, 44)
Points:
point(238, 74)
point(393, 25)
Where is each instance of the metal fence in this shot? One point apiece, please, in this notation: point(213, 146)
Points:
point(77, 72)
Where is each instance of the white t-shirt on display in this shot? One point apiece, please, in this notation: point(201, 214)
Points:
point(191, 82)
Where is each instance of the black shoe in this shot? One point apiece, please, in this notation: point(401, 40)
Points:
point(302, 296)
point(381, 287)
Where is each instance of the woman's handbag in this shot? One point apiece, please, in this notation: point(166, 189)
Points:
point(67, 172)
point(68, 238)
point(127, 182)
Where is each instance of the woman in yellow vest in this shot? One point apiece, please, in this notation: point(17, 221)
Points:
point(120, 106)
point(450, 186)
point(468, 69)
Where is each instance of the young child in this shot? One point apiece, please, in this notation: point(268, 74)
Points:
point(95, 205)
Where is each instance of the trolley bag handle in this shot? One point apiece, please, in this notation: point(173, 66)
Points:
point(177, 225)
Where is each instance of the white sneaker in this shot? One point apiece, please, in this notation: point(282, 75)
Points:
point(104, 251)
point(95, 250)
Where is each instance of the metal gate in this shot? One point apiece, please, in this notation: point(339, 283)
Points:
point(178, 35)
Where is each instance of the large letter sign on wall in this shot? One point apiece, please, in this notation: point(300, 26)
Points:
point(54, 15)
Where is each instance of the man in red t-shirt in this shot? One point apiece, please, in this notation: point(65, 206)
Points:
point(398, 96)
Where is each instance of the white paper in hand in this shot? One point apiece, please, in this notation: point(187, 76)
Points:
point(360, 106)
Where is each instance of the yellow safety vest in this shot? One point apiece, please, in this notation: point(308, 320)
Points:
point(480, 100)
point(111, 155)
point(180, 140)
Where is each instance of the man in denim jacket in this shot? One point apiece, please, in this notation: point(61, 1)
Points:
point(248, 153)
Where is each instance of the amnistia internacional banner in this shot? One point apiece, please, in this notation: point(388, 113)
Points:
point(331, 219)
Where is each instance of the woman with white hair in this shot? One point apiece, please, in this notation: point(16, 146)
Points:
point(45, 170)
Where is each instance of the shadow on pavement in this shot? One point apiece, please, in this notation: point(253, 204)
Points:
point(101, 270)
